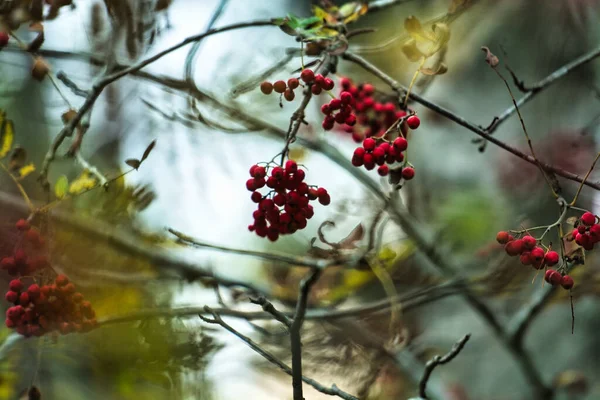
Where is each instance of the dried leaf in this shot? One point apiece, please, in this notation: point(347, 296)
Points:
point(40, 69)
point(61, 187)
point(441, 37)
point(68, 115)
point(440, 70)
point(349, 242)
point(350, 12)
point(133, 163)
point(456, 5)
point(17, 158)
point(7, 135)
point(490, 58)
point(148, 150)
point(26, 170)
point(411, 51)
point(36, 43)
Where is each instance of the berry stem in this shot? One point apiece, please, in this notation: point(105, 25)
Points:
point(584, 179)
point(563, 204)
point(21, 189)
point(413, 80)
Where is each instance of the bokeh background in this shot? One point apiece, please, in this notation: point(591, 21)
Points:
point(194, 182)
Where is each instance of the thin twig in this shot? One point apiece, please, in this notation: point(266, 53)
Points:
point(331, 391)
point(282, 258)
point(584, 180)
point(484, 133)
point(270, 308)
point(71, 85)
point(437, 360)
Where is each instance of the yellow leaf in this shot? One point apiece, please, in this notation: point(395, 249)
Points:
point(61, 187)
point(441, 36)
point(26, 170)
point(440, 70)
point(297, 153)
point(416, 31)
point(84, 182)
point(350, 12)
point(324, 15)
point(7, 136)
point(411, 51)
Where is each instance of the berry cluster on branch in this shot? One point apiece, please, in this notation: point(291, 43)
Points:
point(285, 208)
point(318, 84)
point(38, 310)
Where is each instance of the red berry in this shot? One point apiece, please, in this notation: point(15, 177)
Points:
point(34, 291)
point(346, 97)
point(502, 237)
point(8, 263)
point(567, 282)
point(319, 80)
point(4, 38)
point(11, 296)
point(24, 299)
point(279, 86)
point(260, 172)
point(335, 104)
point(9, 323)
point(20, 257)
point(293, 83)
point(251, 185)
point(266, 87)
point(369, 144)
point(537, 254)
point(256, 197)
point(328, 84)
point(33, 235)
point(408, 173)
point(383, 170)
point(316, 90)
point(368, 89)
point(552, 277)
point(525, 258)
point(15, 285)
point(61, 280)
point(551, 258)
point(400, 143)
point(588, 218)
point(325, 199)
point(595, 232)
point(413, 122)
point(325, 109)
point(22, 225)
point(289, 95)
point(307, 75)
point(529, 242)
point(514, 247)
point(351, 120)
point(291, 166)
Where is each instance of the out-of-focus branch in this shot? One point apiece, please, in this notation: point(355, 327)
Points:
point(437, 360)
point(111, 77)
point(282, 258)
point(331, 391)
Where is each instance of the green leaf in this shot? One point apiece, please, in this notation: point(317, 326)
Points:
point(61, 187)
point(293, 22)
point(306, 22)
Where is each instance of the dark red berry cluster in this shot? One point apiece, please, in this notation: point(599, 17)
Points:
point(27, 258)
point(285, 208)
point(381, 152)
point(41, 309)
point(528, 251)
point(4, 38)
point(56, 307)
point(318, 81)
point(587, 231)
point(339, 110)
point(374, 114)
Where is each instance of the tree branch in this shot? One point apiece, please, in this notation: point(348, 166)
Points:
point(437, 360)
point(331, 391)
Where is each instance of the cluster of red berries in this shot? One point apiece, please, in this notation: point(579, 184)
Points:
point(373, 117)
point(339, 110)
point(373, 153)
point(41, 309)
point(554, 277)
point(531, 254)
point(22, 263)
point(4, 38)
point(528, 251)
point(587, 232)
point(285, 209)
point(318, 81)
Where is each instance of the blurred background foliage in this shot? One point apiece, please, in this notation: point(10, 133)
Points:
point(192, 183)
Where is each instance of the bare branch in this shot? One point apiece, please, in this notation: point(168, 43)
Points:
point(332, 391)
point(437, 360)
